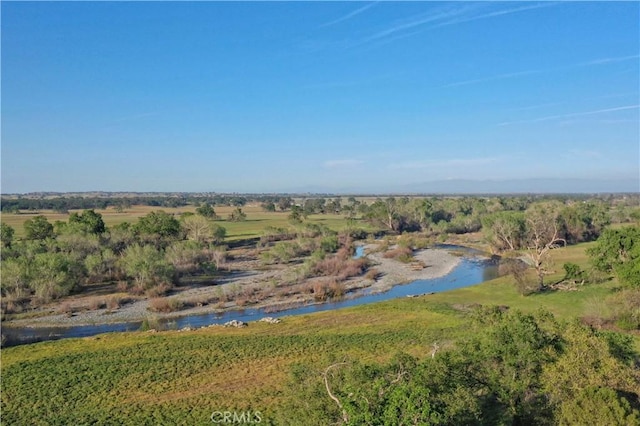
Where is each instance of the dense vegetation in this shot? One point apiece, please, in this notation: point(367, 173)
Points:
point(451, 358)
point(513, 368)
point(151, 255)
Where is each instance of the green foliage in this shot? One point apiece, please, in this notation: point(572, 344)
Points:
point(102, 265)
point(52, 275)
point(147, 266)
point(268, 206)
point(584, 221)
point(38, 228)
point(207, 211)
point(88, 222)
point(601, 405)
point(158, 223)
point(237, 215)
point(573, 271)
point(297, 215)
point(514, 368)
point(329, 244)
point(618, 251)
point(6, 234)
point(504, 230)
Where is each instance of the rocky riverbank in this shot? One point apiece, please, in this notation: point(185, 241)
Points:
point(426, 264)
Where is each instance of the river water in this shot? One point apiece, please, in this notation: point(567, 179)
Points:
point(470, 271)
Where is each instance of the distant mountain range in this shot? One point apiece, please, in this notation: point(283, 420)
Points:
point(468, 186)
point(527, 186)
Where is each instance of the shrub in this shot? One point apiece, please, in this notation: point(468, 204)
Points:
point(165, 305)
point(339, 268)
point(114, 302)
point(402, 254)
point(329, 244)
point(573, 272)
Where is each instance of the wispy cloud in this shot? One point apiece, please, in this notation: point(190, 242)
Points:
point(571, 115)
point(441, 17)
point(601, 61)
point(493, 78)
point(417, 21)
point(443, 163)
point(349, 15)
point(495, 13)
point(339, 164)
point(609, 60)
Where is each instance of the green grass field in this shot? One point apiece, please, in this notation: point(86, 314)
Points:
point(182, 377)
point(257, 219)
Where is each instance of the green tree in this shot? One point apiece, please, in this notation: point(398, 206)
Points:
point(504, 230)
point(237, 215)
point(285, 203)
point(147, 266)
point(53, 275)
point(159, 223)
point(268, 206)
point(38, 228)
point(219, 234)
point(601, 405)
point(618, 251)
point(588, 361)
point(6, 234)
point(207, 211)
point(296, 215)
point(88, 222)
point(385, 213)
point(506, 358)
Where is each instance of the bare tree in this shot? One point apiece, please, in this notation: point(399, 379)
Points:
point(542, 234)
point(345, 416)
point(198, 228)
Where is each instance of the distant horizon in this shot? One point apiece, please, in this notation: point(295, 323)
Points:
point(448, 187)
point(257, 97)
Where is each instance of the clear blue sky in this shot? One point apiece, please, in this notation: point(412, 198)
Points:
point(317, 96)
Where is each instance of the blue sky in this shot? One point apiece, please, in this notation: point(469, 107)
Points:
point(317, 96)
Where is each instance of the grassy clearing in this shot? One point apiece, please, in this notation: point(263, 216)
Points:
point(257, 219)
point(181, 378)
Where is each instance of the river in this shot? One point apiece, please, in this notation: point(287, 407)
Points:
point(470, 271)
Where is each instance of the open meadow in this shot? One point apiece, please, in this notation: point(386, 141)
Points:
point(257, 219)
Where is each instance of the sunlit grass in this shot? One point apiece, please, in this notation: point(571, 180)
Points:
point(257, 219)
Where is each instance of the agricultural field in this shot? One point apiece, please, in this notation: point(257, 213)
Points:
point(252, 227)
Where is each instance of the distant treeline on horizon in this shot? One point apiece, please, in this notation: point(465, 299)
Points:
point(63, 202)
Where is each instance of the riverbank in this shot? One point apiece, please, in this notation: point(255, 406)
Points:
point(427, 264)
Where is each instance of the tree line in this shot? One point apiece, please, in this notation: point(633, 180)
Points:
point(146, 257)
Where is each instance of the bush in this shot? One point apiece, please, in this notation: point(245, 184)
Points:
point(573, 272)
point(402, 254)
point(339, 268)
point(165, 305)
point(329, 244)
